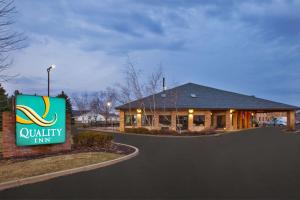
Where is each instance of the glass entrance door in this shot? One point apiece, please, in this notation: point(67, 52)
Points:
point(221, 121)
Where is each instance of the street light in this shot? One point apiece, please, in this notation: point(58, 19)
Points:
point(108, 107)
point(48, 70)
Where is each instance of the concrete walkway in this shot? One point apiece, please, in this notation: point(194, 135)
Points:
point(249, 164)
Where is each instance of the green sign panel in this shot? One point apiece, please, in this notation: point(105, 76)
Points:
point(40, 120)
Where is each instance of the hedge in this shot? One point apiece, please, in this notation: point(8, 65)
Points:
point(168, 132)
point(89, 139)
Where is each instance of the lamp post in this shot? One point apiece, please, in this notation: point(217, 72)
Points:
point(48, 70)
point(108, 104)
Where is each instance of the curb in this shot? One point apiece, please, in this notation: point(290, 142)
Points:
point(172, 136)
point(44, 177)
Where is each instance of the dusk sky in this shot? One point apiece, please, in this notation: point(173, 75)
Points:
point(250, 47)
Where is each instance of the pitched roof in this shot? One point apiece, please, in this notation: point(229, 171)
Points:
point(196, 96)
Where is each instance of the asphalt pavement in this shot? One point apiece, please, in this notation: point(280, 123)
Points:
point(257, 163)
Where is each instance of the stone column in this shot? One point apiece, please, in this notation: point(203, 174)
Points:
point(122, 121)
point(228, 120)
point(173, 121)
point(190, 122)
point(246, 119)
point(241, 125)
point(235, 120)
point(291, 120)
point(207, 119)
point(139, 120)
point(156, 121)
point(249, 120)
point(215, 121)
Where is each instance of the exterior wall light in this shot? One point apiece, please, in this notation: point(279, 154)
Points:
point(139, 110)
point(191, 111)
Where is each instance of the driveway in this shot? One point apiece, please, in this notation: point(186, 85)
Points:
point(253, 163)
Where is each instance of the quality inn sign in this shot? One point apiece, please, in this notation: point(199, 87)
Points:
point(40, 120)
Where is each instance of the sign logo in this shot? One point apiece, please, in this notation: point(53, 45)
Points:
point(34, 117)
point(40, 120)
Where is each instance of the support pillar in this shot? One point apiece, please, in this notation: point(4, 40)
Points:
point(156, 121)
point(208, 116)
point(291, 120)
point(235, 120)
point(215, 121)
point(122, 121)
point(241, 125)
point(249, 120)
point(228, 120)
point(190, 122)
point(173, 121)
point(139, 120)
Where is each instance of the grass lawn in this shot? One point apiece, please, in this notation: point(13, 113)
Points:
point(10, 170)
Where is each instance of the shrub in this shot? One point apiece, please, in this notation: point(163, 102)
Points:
point(163, 132)
point(152, 132)
point(168, 132)
point(85, 126)
point(89, 139)
point(203, 132)
point(137, 130)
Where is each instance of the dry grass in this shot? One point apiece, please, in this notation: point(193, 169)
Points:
point(10, 170)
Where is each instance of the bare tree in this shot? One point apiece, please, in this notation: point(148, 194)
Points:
point(9, 39)
point(81, 101)
point(103, 102)
point(154, 85)
point(137, 87)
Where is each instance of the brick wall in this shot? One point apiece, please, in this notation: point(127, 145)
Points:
point(9, 148)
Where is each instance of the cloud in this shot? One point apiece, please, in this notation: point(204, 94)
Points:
point(244, 46)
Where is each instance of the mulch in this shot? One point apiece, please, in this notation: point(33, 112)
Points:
point(108, 148)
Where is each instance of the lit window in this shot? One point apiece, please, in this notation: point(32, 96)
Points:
point(130, 120)
point(165, 120)
point(199, 120)
point(147, 120)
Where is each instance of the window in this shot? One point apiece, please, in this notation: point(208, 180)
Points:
point(165, 120)
point(147, 120)
point(130, 120)
point(199, 120)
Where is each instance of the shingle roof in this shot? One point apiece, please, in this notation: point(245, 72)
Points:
point(204, 98)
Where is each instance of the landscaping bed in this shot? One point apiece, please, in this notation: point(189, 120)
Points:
point(88, 148)
point(14, 170)
point(170, 132)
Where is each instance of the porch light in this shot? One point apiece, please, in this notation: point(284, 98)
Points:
point(191, 111)
point(252, 114)
point(139, 110)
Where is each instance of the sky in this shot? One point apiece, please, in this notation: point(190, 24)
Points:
point(251, 47)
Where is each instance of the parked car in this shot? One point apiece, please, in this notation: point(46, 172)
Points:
point(275, 122)
point(281, 123)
